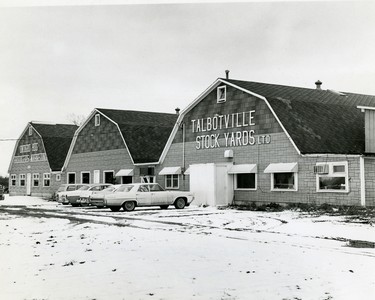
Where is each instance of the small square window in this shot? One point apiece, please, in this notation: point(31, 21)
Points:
point(339, 169)
point(13, 180)
point(246, 181)
point(172, 181)
point(221, 94)
point(97, 120)
point(46, 179)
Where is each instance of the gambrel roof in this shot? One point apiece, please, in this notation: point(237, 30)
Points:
point(145, 133)
point(316, 121)
point(56, 139)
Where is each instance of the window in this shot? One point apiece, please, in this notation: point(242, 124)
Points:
point(58, 177)
point(30, 131)
point(109, 177)
point(13, 180)
point(284, 181)
point(71, 178)
point(126, 179)
point(172, 181)
point(97, 120)
point(35, 147)
point(36, 179)
point(22, 179)
point(245, 181)
point(46, 179)
point(336, 180)
point(221, 94)
point(85, 177)
point(147, 174)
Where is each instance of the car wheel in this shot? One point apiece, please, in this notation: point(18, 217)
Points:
point(129, 206)
point(164, 206)
point(179, 203)
point(115, 208)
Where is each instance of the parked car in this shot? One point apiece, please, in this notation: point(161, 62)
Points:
point(74, 196)
point(72, 191)
point(147, 194)
point(98, 198)
point(63, 189)
point(84, 196)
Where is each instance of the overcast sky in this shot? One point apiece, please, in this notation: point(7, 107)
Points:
point(59, 60)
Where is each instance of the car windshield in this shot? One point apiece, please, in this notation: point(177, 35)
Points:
point(84, 188)
point(61, 188)
point(125, 188)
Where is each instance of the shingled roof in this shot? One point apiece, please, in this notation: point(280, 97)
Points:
point(318, 121)
point(145, 133)
point(56, 140)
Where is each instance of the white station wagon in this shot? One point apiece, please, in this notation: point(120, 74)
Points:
point(147, 194)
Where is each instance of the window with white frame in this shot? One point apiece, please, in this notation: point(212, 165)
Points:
point(245, 181)
point(284, 181)
point(58, 177)
point(13, 180)
point(97, 120)
point(46, 179)
point(172, 181)
point(35, 147)
point(36, 179)
point(221, 94)
point(22, 179)
point(335, 180)
point(85, 177)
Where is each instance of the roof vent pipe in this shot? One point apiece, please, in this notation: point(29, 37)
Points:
point(177, 111)
point(227, 74)
point(318, 84)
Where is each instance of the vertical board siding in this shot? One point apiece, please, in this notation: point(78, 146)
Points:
point(370, 131)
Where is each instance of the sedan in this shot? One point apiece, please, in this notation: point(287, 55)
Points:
point(147, 194)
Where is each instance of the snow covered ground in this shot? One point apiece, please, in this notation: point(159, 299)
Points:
point(50, 251)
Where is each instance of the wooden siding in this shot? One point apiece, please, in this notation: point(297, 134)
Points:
point(370, 131)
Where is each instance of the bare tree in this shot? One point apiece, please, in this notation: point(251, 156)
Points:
point(76, 119)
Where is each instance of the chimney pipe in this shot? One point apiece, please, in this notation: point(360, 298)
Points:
point(227, 74)
point(318, 84)
point(177, 111)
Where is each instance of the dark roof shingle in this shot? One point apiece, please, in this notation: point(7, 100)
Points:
point(56, 139)
point(318, 121)
point(145, 133)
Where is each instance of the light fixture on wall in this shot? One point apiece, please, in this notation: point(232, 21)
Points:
point(228, 153)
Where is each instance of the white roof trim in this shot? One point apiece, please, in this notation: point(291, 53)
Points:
point(92, 114)
point(363, 108)
point(125, 172)
point(170, 171)
point(243, 169)
point(187, 171)
point(282, 168)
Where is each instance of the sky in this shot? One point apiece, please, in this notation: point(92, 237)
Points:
point(59, 60)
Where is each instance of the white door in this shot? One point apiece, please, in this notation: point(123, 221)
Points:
point(96, 176)
point(211, 184)
point(28, 184)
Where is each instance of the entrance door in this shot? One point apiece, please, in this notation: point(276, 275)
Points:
point(28, 184)
point(96, 176)
point(211, 184)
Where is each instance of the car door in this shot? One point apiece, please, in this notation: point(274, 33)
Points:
point(158, 195)
point(143, 195)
